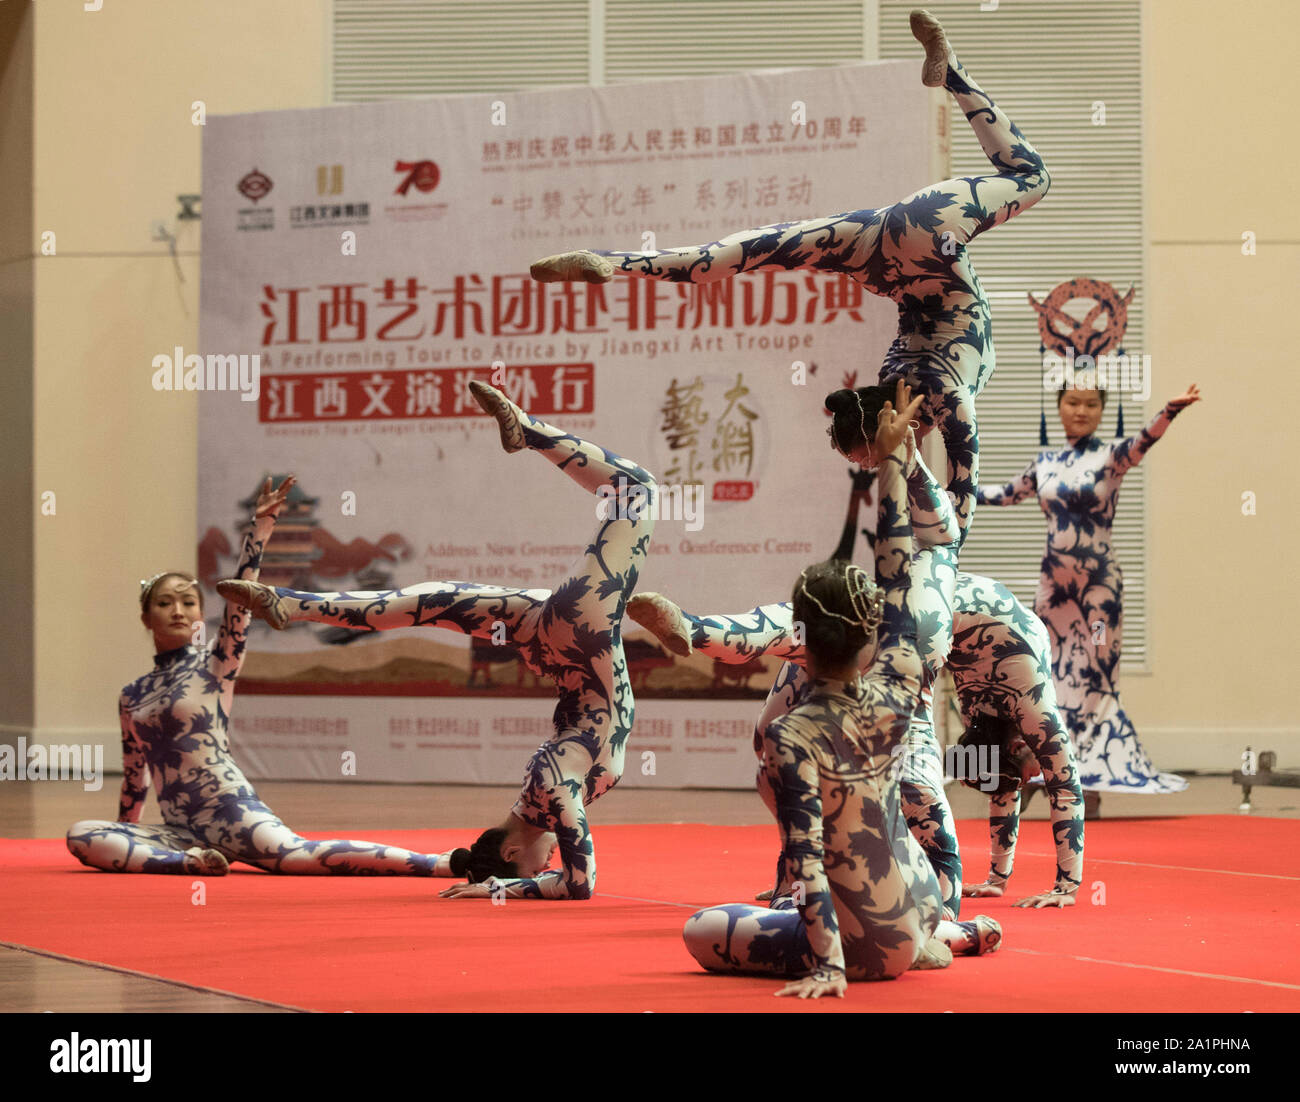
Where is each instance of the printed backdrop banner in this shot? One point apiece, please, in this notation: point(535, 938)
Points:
point(374, 258)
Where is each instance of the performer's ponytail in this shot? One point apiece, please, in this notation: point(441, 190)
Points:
point(483, 859)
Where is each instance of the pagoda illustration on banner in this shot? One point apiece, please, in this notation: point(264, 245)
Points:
point(302, 554)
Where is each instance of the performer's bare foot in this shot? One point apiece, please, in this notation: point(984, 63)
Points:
point(261, 600)
point(508, 415)
point(572, 268)
point(663, 619)
point(205, 862)
point(928, 31)
point(933, 954)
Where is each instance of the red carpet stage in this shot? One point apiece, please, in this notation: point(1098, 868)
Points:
point(1190, 914)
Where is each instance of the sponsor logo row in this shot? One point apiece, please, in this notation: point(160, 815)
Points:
point(331, 207)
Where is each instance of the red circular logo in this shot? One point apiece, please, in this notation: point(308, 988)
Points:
point(423, 174)
point(256, 185)
point(426, 175)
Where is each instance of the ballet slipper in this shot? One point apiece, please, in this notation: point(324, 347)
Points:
point(572, 267)
point(933, 954)
point(988, 935)
point(261, 600)
point(928, 31)
point(497, 405)
point(663, 619)
point(205, 862)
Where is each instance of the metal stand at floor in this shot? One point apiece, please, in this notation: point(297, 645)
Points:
point(1267, 775)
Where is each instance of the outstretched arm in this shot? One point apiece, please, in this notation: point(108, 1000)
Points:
point(1023, 486)
point(227, 654)
point(897, 655)
point(1128, 453)
point(135, 771)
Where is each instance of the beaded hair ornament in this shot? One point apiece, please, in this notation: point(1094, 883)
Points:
point(862, 424)
point(865, 597)
point(146, 585)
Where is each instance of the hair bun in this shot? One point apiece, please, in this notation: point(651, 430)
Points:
point(459, 861)
point(840, 400)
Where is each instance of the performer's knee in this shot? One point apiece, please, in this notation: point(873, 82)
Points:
point(79, 842)
point(87, 826)
point(638, 474)
point(704, 933)
point(1039, 181)
point(633, 494)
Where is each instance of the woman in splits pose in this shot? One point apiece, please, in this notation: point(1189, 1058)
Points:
point(855, 896)
point(1080, 591)
point(915, 253)
point(174, 722)
point(571, 635)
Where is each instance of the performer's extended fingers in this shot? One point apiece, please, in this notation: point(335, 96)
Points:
point(464, 891)
point(1047, 899)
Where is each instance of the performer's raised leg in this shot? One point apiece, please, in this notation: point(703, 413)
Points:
point(872, 246)
point(578, 644)
point(468, 607)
